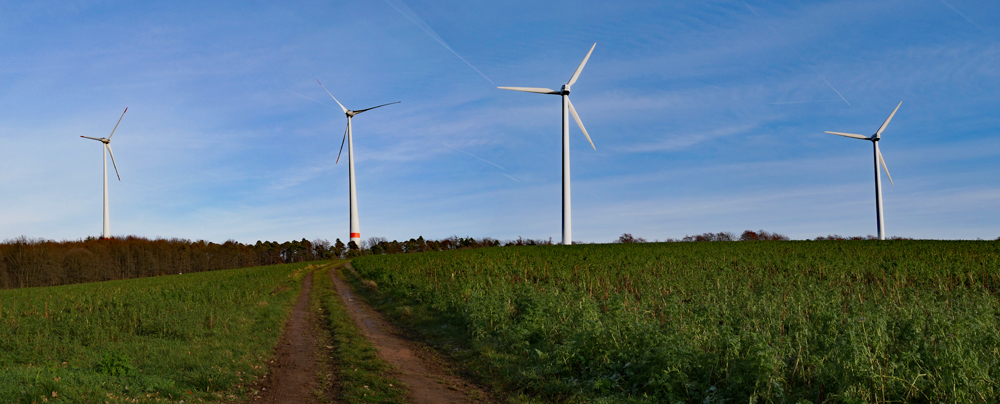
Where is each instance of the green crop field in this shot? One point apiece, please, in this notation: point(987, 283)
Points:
point(200, 336)
point(812, 321)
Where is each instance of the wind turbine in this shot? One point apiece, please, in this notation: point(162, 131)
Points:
point(355, 227)
point(567, 108)
point(878, 173)
point(107, 145)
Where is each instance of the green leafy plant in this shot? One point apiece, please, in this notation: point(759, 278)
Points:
point(115, 364)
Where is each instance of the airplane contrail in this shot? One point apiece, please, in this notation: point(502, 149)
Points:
point(963, 16)
point(823, 78)
point(471, 155)
point(799, 102)
point(477, 157)
point(796, 52)
point(405, 10)
point(505, 175)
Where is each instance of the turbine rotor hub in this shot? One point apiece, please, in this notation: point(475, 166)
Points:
point(350, 113)
point(565, 89)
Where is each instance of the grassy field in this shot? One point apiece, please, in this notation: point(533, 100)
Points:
point(819, 321)
point(189, 337)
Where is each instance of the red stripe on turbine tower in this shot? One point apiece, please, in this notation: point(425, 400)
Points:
point(355, 235)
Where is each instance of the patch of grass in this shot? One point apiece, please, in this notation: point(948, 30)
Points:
point(362, 375)
point(326, 358)
point(828, 321)
point(444, 332)
point(203, 336)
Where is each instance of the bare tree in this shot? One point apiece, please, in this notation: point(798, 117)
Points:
point(627, 238)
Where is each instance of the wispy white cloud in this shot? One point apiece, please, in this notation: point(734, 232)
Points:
point(674, 142)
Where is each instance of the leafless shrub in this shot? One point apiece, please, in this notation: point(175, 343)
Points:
point(855, 238)
point(762, 235)
point(527, 241)
point(627, 238)
point(721, 236)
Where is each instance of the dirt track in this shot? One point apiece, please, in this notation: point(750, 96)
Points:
point(426, 378)
point(291, 378)
point(292, 372)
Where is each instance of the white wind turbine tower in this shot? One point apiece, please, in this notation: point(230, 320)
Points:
point(878, 173)
point(355, 227)
point(567, 108)
point(107, 146)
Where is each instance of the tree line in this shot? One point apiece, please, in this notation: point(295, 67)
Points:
point(748, 235)
point(379, 245)
point(26, 262)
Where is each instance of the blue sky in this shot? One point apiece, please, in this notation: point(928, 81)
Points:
point(707, 116)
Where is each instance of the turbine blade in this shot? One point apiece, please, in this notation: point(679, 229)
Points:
point(856, 136)
point(878, 135)
point(368, 109)
point(538, 90)
point(331, 96)
point(579, 122)
point(342, 145)
point(882, 160)
point(108, 146)
point(576, 74)
point(116, 125)
point(91, 138)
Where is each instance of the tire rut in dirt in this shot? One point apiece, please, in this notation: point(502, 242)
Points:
point(426, 381)
point(291, 378)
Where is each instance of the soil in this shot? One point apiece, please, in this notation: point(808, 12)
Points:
point(292, 372)
point(424, 373)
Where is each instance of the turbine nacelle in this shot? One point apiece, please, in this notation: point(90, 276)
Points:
point(107, 142)
point(350, 114)
point(100, 139)
point(563, 91)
